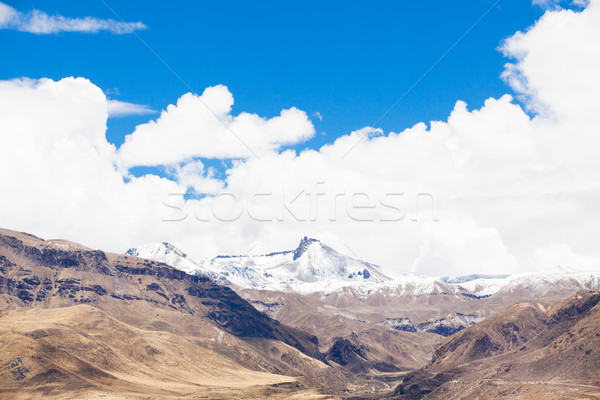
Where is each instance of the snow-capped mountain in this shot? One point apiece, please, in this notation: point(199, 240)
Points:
point(314, 267)
point(311, 267)
point(165, 253)
point(554, 282)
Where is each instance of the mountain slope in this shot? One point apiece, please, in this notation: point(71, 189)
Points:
point(150, 296)
point(165, 253)
point(80, 351)
point(80, 275)
point(529, 351)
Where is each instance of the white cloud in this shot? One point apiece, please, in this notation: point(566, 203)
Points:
point(7, 14)
point(41, 23)
point(546, 3)
point(556, 4)
point(202, 126)
point(563, 255)
point(461, 248)
point(117, 108)
point(195, 176)
point(573, 36)
point(59, 171)
point(511, 192)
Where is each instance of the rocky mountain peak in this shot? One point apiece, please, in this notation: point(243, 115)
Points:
point(303, 246)
point(169, 248)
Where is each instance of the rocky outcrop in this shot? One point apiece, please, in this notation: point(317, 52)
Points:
point(304, 243)
point(345, 353)
point(445, 326)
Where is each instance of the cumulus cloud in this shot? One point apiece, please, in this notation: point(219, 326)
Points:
point(202, 126)
point(41, 23)
point(195, 176)
point(117, 108)
point(493, 189)
point(59, 171)
point(446, 244)
point(571, 34)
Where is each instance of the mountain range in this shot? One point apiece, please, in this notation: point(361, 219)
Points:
point(314, 267)
point(307, 323)
point(311, 267)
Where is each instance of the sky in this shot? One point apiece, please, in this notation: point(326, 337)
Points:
point(240, 128)
point(347, 61)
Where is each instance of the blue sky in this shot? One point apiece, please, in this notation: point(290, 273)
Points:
point(348, 61)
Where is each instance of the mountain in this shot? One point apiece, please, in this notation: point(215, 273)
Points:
point(165, 253)
point(296, 274)
point(531, 350)
point(311, 267)
point(373, 326)
point(58, 272)
point(318, 290)
point(83, 323)
point(314, 267)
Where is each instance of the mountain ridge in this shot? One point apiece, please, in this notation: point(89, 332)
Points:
point(530, 350)
point(308, 268)
point(314, 267)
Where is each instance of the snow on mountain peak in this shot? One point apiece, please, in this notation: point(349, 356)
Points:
point(471, 278)
point(314, 267)
point(314, 261)
point(311, 267)
point(163, 248)
point(166, 253)
point(303, 246)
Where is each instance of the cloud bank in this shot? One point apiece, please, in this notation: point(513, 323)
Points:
point(491, 190)
point(40, 23)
